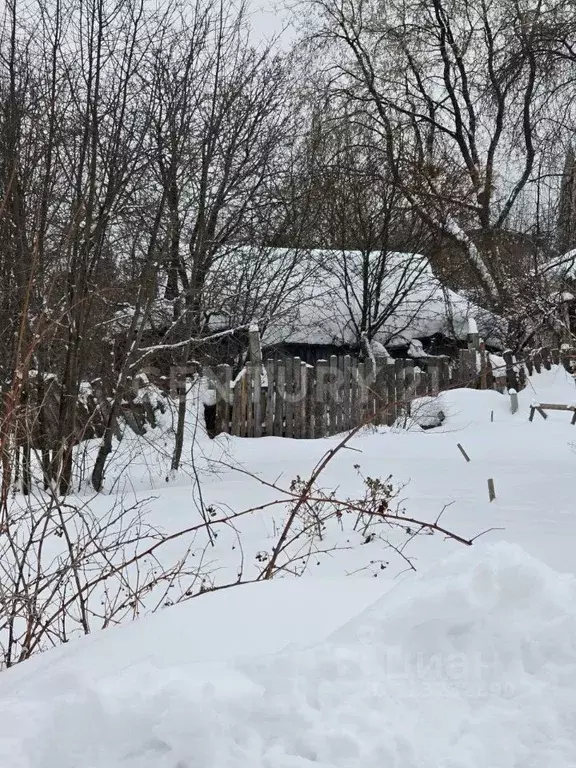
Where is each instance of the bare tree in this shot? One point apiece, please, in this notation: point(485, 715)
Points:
point(219, 122)
point(456, 93)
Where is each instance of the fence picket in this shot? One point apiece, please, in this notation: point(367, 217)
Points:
point(223, 397)
point(346, 393)
point(309, 405)
point(409, 391)
point(320, 414)
point(257, 399)
point(483, 367)
point(537, 361)
point(400, 384)
point(433, 377)
point(380, 391)
point(463, 368)
point(289, 397)
point(355, 418)
point(333, 395)
point(391, 407)
point(489, 373)
point(299, 398)
point(362, 392)
point(303, 401)
point(250, 400)
point(280, 398)
point(270, 396)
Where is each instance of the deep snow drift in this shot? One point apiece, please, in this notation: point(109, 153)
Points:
point(471, 663)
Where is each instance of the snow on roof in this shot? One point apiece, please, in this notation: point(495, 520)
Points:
point(317, 297)
point(409, 298)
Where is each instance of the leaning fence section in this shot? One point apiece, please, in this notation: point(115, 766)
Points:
point(290, 398)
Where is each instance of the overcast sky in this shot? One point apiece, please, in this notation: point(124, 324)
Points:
point(271, 19)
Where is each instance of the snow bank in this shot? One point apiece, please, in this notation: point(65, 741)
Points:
point(472, 665)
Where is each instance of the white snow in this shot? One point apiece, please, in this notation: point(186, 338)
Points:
point(471, 663)
point(498, 364)
point(328, 313)
point(416, 349)
point(320, 299)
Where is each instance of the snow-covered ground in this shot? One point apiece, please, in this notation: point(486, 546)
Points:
point(469, 663)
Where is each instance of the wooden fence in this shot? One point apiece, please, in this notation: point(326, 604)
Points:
point(290, 398)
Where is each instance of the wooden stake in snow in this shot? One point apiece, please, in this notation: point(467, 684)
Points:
point(536, 407)
point(463, 452)
point(513, 400)
point(491, 491)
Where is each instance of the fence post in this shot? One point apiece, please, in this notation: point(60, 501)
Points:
point(250, 399)
point(420, 382)
point(473, 357)
point(257, 398)
point(474, 339)
point(409, 380)
point(255, 345)
point(444, 373)
point(462, 373)
point(513, 400)
point(409, 384)
point(239, 406)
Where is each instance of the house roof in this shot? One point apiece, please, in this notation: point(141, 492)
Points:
point(317, 297)
point(411, 303)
